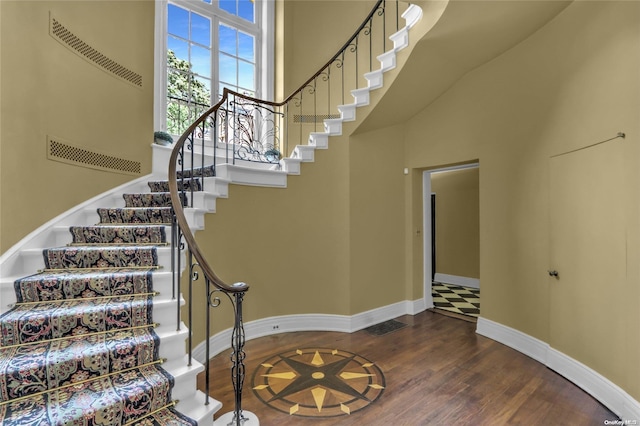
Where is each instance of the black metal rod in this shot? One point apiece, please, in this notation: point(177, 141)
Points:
point(179, 268)
point(191, 170)
point(300, 111)
point(329, 89)
point(342, 78)
point(371, 44)
point(235, 129)
point(357, 74)
point(215, 140)
point(207, 343)
point(384, 26)
point(226, 131)
point(190, 307)
point(174, 230)
point(286, 123)
point(237, 358)
point(202, 156)
point(315, 105)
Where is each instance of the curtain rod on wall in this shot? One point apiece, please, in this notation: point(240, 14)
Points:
point(619, 135)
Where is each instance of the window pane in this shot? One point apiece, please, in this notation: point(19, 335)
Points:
point(201, 91)
point(228, 5)
point(178, 21)
point(227, 40)
point(201, 60)
point(245, 10)
point(246, 47)
point(227, 68)
point(228, 86)
point(200, 30)
point(246, 73)
point(180, 49)
point(178, 84)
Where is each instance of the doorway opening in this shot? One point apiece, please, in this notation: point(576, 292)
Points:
point(451, 240)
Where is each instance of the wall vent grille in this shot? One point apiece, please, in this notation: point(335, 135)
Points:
point(82, 49)
point(312, 118)
point(66, 153)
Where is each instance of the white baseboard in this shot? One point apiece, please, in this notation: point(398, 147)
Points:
point(457, 280)
point(592, 382)
point(309, 322)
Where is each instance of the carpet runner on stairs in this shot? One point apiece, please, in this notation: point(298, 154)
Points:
point(79, 347)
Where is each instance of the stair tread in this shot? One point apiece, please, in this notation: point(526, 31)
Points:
point(166, 416)
point(51, 320)
point(54, 363)
point(117, 399)
point(112, 233)
point(136, 215)
point(69, 284)
point(107, 256)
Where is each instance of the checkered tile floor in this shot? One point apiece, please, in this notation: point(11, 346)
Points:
point(461, 300)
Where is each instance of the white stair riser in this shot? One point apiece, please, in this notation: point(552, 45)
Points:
point(400, 39)
point(361, 96)
point(306, 153)
point(165, 314)
point(185, 380)
point(7, 295)
point(205, 201)
point(172, 344)
point(333, 126)
point(195, 406)
point(347, 112)
point(374, 79)
point(319, 140)
point(291, 165)
point(387, 60)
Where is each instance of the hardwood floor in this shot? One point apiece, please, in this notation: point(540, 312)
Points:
point(438, 371)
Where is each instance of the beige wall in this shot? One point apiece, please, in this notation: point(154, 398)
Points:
point(376, 220)
point(573, 83)
point(48, 90)
point(290, 245)
point(457, 222)
point(321, 28)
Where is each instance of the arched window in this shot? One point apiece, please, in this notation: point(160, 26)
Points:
point(203, 46)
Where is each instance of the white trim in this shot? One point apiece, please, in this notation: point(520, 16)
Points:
point(592, 382)
point(426, 241)
point(309, 322)
point(426, 226)
point(159, 68)
point(530, 346)
point(267, 59)
point(457, 280)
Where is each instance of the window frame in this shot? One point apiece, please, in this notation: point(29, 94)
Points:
point(263, 29)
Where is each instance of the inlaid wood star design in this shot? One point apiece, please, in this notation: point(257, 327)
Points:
point(318, 382)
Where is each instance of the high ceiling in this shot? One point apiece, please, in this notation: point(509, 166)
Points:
point(469, 34)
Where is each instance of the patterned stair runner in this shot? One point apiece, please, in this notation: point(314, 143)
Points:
point(79, 347)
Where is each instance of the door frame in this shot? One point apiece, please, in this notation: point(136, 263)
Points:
point(426, 226)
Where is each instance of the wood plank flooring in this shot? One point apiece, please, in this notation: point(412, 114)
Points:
point(438, 371)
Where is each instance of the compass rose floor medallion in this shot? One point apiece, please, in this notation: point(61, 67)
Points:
point(317, 382)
